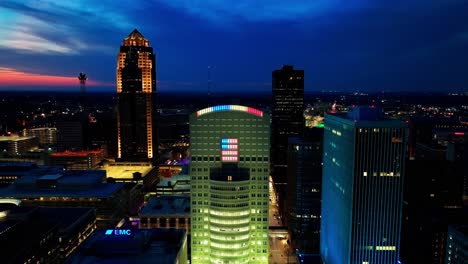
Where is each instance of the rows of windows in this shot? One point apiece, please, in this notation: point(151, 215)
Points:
point(221, 213)
point(243, 253)
point(230, 238)
point(229, 197)
point(229, 222)
point(229, 188)
point(223, 229)
point(229, 246)
point(198, 158)
point(221, 205)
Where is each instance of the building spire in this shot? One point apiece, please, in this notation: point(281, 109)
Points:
point(136, 39)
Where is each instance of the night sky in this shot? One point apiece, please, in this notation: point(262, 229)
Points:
point(368, 45)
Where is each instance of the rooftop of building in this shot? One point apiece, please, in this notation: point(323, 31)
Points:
point(462, 229)
point(141, 246)
point(72, 183)
point(22, 227)
point(177, 182)
point(167, 205)
point(42, 128)
point(135, 38)
point(27, 168)
point(64, 217)
point(228, 108)
point(125, 170)
point(14, 138)
point(365, 116)
point(82, 153)
point(17, 165)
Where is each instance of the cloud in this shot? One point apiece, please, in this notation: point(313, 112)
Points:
point(58, 27)
point(259, 10)
point(13, 77)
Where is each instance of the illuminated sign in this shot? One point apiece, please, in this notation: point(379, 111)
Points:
point(220, 108)
point(229, 151)
point(118, 232)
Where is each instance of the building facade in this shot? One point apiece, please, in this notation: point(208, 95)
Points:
point(75, 188)
point(154, 245)
point(166, 211)
point(17, 145)
point(362, 190)
point(47, 135)
point(43, 235)
point(287, 115)
point(229, 175)
point(457, 245)
point(304, 191)
point(136, 91)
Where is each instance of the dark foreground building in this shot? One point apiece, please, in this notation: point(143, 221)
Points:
point(42, 235)
point(457, 245)
point(286, 120)
point(77, 189)
point(144, 246)
point(303, 203)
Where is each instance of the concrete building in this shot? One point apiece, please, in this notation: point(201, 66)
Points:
point(42, 235)
point(362, 188)
point(457, 245)
point(70, 135)
point(77, 160)
point(229, 172)
point(166, 211)
point(144, 173)
point(17, 145)
point(303, 202)
point(47, 135)
point(286, 120)
point(144, 246)
point(78, 189)
point(177, 184)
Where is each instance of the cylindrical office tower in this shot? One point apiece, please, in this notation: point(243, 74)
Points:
point(229, 169)
point(229, 219)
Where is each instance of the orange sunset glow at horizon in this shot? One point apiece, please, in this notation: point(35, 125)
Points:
point(12, 77)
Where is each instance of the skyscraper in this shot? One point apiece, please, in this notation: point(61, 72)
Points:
point(136, 90)
point(304, 190)
point(229, 146)
point(362, 190)
point(287, 119)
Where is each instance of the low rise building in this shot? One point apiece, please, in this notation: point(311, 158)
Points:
point(77, 188)
point(164, 246)
point(43, 235)
point(457, 245)
point(16, 145)
point(177, 184)
point(167, 211)
point(77, 160)
point(138, 172)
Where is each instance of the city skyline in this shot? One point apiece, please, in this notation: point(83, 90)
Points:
point(370, 46)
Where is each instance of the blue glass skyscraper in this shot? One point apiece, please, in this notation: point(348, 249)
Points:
point(363, 169)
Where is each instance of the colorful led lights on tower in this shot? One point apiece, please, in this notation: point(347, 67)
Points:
point(229, 151)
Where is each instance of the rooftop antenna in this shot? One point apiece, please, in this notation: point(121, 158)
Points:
point(209, 85)
point(82, 77)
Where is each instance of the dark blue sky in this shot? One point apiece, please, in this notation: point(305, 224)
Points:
point(368, 45)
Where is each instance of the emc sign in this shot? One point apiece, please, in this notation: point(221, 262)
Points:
point(118, 232)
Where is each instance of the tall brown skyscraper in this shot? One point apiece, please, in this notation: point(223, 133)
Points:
point(287, 116)
point(136, 90)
